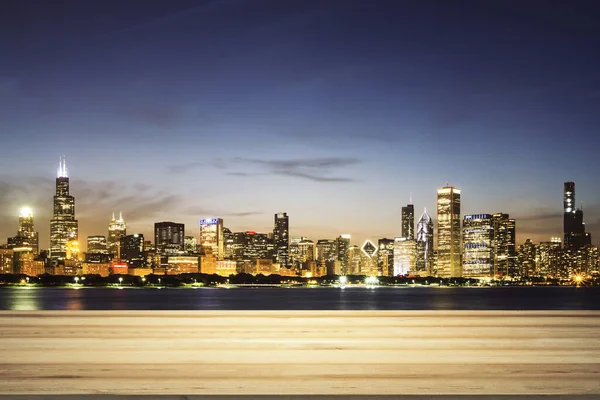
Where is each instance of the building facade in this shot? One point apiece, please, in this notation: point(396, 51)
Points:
point(169, 237)
point(478, 246)
point(424, 246)
point(281, 239)
point(448, 233)
point(408, 221)
point(405, 256)
point(211, 237)
point(117, 230)
point(64, 228)
point(505, 247)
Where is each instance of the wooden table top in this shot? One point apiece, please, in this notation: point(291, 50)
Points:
point(300, 352)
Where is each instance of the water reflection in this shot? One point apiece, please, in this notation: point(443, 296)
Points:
point(24, 299)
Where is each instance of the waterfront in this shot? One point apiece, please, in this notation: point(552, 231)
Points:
point(349, 298)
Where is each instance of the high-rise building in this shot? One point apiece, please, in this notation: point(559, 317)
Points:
point(228, 241)
point(448, 233)
point(27, 239)
point(132, 250)
point(574, 228)
point(326, 250)
point(424, 256)
point(97, 245)
point(408, 221)
point(526, 256)
point(64, 228)
point(478, 243)
point(405, 256)
point(211, 237)
point(549, 257)
point(117, 230)
point(369, 259)
point(281, 239)
point(385, 256)
point(343, 244)
point(190, 244)
point(169, 237)
point(505, 248)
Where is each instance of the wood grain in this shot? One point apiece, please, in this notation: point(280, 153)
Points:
point(300, 352)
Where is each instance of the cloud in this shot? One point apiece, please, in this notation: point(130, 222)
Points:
point(314, 169)
point(158, 116)
point(184, 167)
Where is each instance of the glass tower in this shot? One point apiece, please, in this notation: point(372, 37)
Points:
point(478, 243)
point(424, 257)
point(448, 234)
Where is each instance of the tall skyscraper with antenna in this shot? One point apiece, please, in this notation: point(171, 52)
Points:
point(64, 228)
point(117, 229)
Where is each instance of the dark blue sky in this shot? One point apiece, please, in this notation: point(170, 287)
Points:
point(330, 110)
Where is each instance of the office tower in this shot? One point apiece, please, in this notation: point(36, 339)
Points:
point(424, 247)
point(343, 244)
point(448, 234)
point(478, 245)
point(211, 237)
point(526, 257)
point(190, 244)
point(169, 237)
point(505, 248)
point(548, 259)
point(132, 250)
point(574, 228)
point(408, 221)
point(385, 256)
point(405, 256)
point(117, 230)
point(64, 228)
point(228, 241)
point(97, 245)
point(354, 258)
point(306, 249)
point(326, 250)
point(27, 238)
point(281, 239)
point(369, 259)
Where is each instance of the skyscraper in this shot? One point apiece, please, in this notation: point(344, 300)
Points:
point(117, 230)
point(343, 244)
point(326, 250)
point(97, 245)
point(408, 221)
point(64, 229)
point(404, 256)
point(26, 237)
point(211, 237)
point(169, 237)
point(478, 242)
point(281, 239)
point(132, 250)
point(505, 250)
point(424, 256)
point(385, 256)
point(448, 220)
point(574, 228)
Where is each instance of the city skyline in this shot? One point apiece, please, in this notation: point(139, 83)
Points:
point(187, 110)
point(117, 228)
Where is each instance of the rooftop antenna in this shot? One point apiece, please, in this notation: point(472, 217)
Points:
point(410, 198)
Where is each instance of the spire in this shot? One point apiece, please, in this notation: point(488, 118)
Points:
point(113, 216)
point(120, 215)
point(410, 198)
point(62, 168)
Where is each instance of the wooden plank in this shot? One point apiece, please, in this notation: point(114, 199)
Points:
point(300, 353)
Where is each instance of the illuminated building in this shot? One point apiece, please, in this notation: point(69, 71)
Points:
point(369, 265)
point(526, 258)
point(63, 225)
point(264, 266)
point(208, 264)
point(226, 268)
point(6, 260)
point(354, 258)
point(574, 228)
point(405, 256)
point(505, 249)
point(228, 241)
point(97, 245)
point(548, 258)
point(118, 268)
point(132, 250)
point(326, 250)
point(27, 235)
point(385, 256)
point(281, 239)
point(143, 271)
point(211, 237)
point(190, 244)
point(101, 269)
point(169, 237)
point(448, 233)
point(408, 221)
point(306, 249)
point(478, 244)
point(343, 244)
point(182, 265)
point(73, 250)
point(117, 230)
point(424, 247)
point(24, 262)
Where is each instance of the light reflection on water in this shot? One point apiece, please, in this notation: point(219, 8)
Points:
point(348, 298)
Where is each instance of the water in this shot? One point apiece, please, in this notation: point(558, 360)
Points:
point(381, 298)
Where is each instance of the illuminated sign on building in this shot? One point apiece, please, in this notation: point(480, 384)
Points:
point(212, 221)
point(120, 268)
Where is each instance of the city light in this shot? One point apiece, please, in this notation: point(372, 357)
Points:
point(371, 280)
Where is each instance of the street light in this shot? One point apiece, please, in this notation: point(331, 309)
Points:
point(120, 280)
point(76, 280)
point(27, 279)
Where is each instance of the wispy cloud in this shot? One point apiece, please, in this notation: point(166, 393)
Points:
point(184, 167)
point(313, 169)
